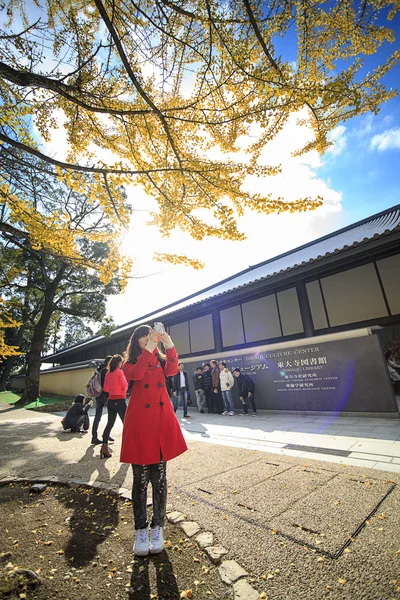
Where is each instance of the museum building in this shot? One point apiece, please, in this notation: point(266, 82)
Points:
point(343, 286)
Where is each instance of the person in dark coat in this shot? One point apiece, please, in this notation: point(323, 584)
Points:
point(246, 390)
point(198, 381)
point(207, 382)
point(77, 416)
point(180, 387)
point(101, 402)
point(216, 387)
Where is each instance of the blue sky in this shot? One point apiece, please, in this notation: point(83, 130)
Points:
point(366, 170)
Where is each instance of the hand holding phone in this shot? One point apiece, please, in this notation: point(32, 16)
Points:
point(159, 328)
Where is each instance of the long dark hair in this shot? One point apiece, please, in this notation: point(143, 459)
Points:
point(114, 362)
point(133, 350)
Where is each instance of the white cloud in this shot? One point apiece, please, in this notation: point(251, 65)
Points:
point(339, 138)
point(267, 235)
point(388, 140)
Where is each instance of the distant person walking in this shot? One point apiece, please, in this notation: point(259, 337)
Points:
point(246, 391)
point(198, 381)
point(180, 386)
point(394, 370)
point(216, 385)
point(151, 434)
point(115, 384)
point(207, 382)
point(227, 383)
point(77, 416)
point(101, 401)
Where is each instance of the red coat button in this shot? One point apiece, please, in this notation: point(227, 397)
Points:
point(161, 403)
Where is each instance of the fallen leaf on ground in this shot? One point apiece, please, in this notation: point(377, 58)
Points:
point(341, 580)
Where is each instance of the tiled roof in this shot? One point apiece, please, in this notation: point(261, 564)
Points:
point(375, 227)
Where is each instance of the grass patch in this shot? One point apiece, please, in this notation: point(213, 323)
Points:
point(43, 403)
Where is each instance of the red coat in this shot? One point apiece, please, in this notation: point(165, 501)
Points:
point(115, 384)
point(151, 428)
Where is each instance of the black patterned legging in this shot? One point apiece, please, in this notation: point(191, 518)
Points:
point(142, 474)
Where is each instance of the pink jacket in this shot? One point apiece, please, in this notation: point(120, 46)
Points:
point(115, 384)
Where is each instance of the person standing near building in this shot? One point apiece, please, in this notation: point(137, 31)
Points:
point(198, 381)
point(227, 383)
point(246, 390)
point(394, 370)
point(180, 386)
point(101, 401)
point(151, 435)
point(207, 382)
point(216, 386)
point(115, 384)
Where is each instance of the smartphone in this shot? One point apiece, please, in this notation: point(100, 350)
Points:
point(159, 327)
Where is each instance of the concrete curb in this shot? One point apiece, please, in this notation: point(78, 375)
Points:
point(230, 572)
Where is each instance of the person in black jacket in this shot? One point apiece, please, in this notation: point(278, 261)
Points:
point(77, 416)
point(207, 383)
point(246, 390)
point(198, 381)
point(180, 387)
point(101, 402)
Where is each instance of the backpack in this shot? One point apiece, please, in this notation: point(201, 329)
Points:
point(94, 388)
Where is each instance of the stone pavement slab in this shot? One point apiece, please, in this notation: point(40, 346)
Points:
point(327, 517)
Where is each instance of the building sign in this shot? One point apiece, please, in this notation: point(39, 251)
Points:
point(345, 375)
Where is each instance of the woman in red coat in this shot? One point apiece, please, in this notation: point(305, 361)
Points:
point(151, 435)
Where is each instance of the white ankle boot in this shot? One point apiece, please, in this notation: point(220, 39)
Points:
point(141, 545)
point(156, 540)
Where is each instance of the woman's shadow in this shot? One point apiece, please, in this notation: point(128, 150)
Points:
point(167, 588)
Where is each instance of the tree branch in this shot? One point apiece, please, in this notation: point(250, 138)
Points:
point(27, 79)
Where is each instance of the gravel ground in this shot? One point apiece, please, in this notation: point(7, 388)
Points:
point(78, 542)
point(281, 490)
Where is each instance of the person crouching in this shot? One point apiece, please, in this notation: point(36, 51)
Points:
point(77, 416)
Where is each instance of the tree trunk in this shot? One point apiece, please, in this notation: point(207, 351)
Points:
point(6, 372)
point(34, 356)
point(11, 360)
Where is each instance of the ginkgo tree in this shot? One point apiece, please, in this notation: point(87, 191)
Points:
point(41, 275)
point(164, 94)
